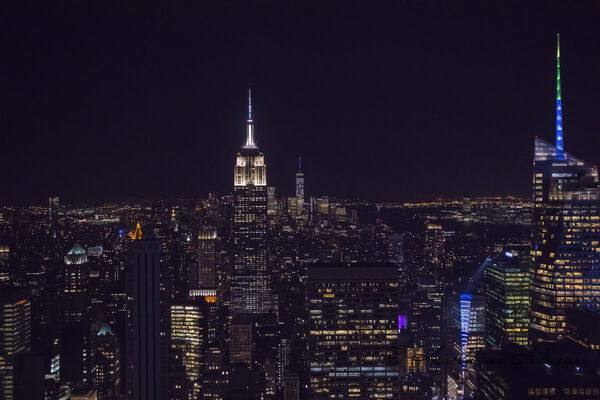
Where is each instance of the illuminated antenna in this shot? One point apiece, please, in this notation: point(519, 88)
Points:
point(559, 125)
point(249, 104)
point(250, 144)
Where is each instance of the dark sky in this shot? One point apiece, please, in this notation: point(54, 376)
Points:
point(397, 102)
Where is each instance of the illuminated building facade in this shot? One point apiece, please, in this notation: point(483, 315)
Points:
point(433, 249)
point(240, 343)
point(353, 331)
point(15, 336)
point(566, 234)
point(187, 337)
point(76, 300)
point(107, 363)
point(425, 316)
point(300, 187)
point(507, 298)
point(466, 337)
point(205, 274)
point(250, 289)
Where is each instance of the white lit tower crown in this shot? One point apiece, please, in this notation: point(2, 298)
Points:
point(250, 287)
point(250, 168)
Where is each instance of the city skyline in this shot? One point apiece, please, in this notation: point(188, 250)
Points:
point(165, 110)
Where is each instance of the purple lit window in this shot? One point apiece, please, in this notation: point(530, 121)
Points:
point(402, 322)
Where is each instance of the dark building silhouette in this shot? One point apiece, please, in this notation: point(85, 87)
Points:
point(147, 331)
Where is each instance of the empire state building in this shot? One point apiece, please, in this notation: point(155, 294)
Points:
point(250, 289)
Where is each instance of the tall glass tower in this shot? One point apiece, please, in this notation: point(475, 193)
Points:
point(566, 234)
point(250, 289)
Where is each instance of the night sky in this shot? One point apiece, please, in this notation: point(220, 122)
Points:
point(103, 103)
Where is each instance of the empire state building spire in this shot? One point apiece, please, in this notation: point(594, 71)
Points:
point(559, 127)
point(250, 144)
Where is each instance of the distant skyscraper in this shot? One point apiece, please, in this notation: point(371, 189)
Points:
point(15, 336)
point(53, 210)
point(76, 282)
point(566, 234)
point(433, 249)
point(250, 288)
point(146, 341)
point(300, 186)
point(353, 331)
point(507, 298)
point(75, 332)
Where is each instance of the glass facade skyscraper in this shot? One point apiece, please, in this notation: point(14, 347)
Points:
point(566, 235)
point(353, 332)
point(507, 298)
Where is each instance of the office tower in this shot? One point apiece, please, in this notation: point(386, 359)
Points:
point(250, 289)
point(583, 327)
point(204, 276)
point(186, 337)
point(75, 330)
point(300, 186)
point(433, 250)
point(425, 322)
point(559, 370)
point(15, 336)
point(214, 377)
point(566, 234)
point(291, 387)
point(5, 272)
point(353, 331)
point(146, 339)
point(76, 285)
point(240, 343)
point(466, 336)
point(507, 298)
point(107, 363)
point(272, 204)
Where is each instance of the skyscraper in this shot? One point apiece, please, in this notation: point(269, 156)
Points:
point(15, 336)
point(353, 331)
point(250, 289)
point(466, 336)
point(566, 233)
point(300, 187)
point(507, 298)
point(146, 341)
point(186, 337)
point(75, 332)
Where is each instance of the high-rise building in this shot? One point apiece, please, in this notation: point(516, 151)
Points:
point(507, 298)
point(147, 331)
point(353, 331)
point(425, 322)
point(53, 214)
point(15, 336)
point(300, 187)
point(433, 249)
point(250, 288)
point(566, 234)
point(204, 276)
point(240, 343)
point(75, 330)
point(466, 336)
point(107, 363)
point(76, 282)
point(187, 336)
